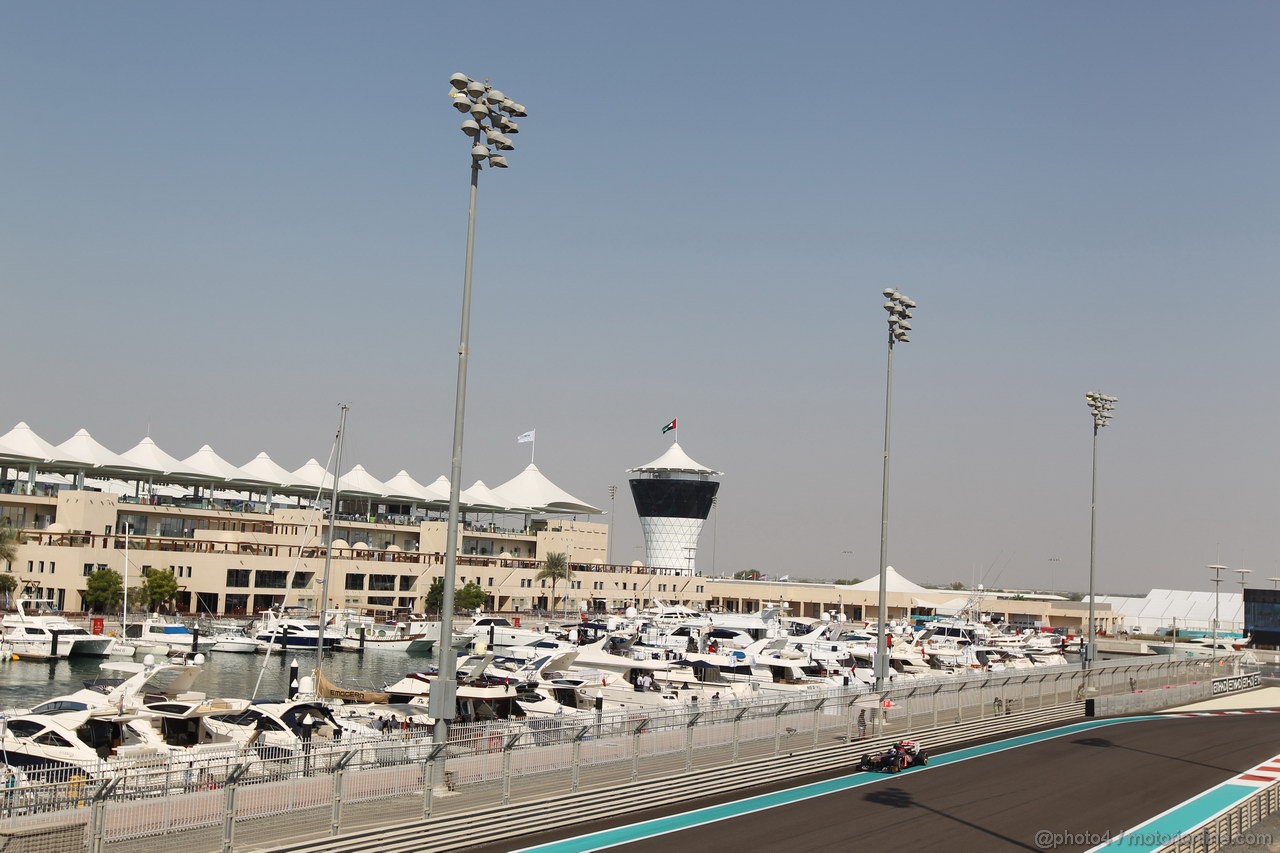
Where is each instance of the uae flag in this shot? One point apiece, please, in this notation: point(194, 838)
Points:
point(666, 429)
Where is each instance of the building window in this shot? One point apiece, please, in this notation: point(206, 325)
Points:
point(354, 581)
point(88, 569)
point(237, 578)
point(270, 580)
point(53, 567)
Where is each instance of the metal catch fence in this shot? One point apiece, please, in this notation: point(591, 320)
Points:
point(327, 788)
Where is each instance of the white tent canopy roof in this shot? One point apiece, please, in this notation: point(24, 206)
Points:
point(528, 492)
point(531, 488)
point(893, 582)
point(314, 476)
point(148, 455)
point(23, 443)
point(440, 485)
point(481, 497)
point(208, 463)
point(360, 482)
point(84, 446)
point(404, 486)
point(263, 467)
point(675, 459)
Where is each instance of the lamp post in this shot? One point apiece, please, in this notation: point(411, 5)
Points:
point(1217, 581)
point(1275, 583)
point(491, 117)
point(1101, 406)
point(899, 308)
point(1243, 579)
point(613, 493)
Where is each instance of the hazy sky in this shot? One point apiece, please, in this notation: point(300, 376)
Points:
point(218, 221)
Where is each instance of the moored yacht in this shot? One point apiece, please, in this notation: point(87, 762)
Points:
point(292, 627)
point(37, 631)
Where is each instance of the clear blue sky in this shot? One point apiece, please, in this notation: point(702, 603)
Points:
point(217, 221)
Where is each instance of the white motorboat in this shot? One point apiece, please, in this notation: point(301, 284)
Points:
point(37, 631)
point(1202, 647)
point(237, 643)
point(497, 632)
point(89, 743)
point(161, 635)
point(292, 627)
point(381, 637)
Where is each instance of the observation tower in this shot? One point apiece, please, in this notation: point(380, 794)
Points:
point(673, 496)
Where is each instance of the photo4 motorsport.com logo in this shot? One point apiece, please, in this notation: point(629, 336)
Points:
point(1047, 839)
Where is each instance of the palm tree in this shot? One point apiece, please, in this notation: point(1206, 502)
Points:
point(8, 583)
point(8, 544)
point(555, 567)
point(8, 553)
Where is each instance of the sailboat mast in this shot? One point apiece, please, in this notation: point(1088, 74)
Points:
point(328, 549)
point(124, 610)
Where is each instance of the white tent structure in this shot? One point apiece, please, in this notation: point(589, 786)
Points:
point(262, 467)
point(531, 488)
point(440, 486)
point(482, 499)
point(1192, 609)
point(314, 476)
point(25, 445)
point(893, 582)
point(215, 469)
point(11, 453)
point(82, 445)
point(361, 483)
point(404, 486)
point(148, 455)
point(675, 460)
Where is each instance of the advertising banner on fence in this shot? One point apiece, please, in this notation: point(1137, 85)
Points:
point(1236, 683)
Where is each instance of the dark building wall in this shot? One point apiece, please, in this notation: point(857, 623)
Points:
point(673, 498)
point(1262, 616)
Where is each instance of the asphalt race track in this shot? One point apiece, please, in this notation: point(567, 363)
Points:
point(1062, 794)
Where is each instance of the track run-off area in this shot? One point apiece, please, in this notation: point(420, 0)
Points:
point(1130, 783)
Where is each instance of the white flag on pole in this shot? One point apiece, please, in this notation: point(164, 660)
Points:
point(525, 437)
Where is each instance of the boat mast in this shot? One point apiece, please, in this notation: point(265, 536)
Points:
point(124, 611)
point(328, 549)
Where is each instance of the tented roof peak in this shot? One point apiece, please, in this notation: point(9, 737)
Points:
point(531, 488)
point(675, 459)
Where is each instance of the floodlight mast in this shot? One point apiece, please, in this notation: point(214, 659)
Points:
point(491, 115)
point(1100, 405)
point(899, 308)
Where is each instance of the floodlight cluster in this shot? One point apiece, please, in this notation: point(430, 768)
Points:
point(492, 118)
point(1101, 405)
point(899, 308)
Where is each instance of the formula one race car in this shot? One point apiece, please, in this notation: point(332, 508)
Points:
point(899, 756)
